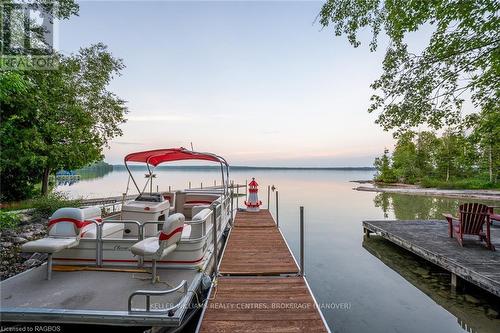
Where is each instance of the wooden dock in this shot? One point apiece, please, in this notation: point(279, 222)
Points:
point(429, 240)
point(259, 288)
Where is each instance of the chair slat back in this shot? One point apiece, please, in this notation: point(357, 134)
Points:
point(472, 217)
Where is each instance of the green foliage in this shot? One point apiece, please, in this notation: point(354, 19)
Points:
point(46, 205)
point(62, 120)
point(476, 183)
point(404, 159)
point(385, 172)
point(8, 221)
point(452, 161)
point(462, 57)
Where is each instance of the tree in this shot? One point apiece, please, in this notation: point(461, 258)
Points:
point(425, 153)
point(462, 57)
point(384, 169)
point(404, 159)
point(487, 133)
point(62, 120)
point(447, 155)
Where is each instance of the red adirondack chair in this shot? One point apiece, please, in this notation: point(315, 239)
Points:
point(493, 216)
point(472, 217)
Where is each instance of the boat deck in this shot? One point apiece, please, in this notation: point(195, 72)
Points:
point(430, 240)
point(260, 290)
point(97, 295)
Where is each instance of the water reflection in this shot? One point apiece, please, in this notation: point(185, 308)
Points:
point(414, 207)
point(95, 171)
point(474, 309)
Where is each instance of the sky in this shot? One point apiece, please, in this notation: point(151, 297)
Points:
point(260, 83)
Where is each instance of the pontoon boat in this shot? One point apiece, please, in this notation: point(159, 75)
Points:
point(147, 266)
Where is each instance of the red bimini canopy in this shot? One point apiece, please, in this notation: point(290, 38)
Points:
point(158, 156)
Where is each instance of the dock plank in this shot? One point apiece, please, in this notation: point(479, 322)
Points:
point(260, 304)
point(259, 219)
point(260, 291)
point(430, 240)
point(254, 250)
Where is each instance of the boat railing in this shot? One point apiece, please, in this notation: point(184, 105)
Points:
point(223, 213)
point(99, 239)
point(156, 293)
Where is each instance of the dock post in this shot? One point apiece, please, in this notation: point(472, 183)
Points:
point(232, 206)
point(367, 232)
point(189, 185)
point(277, 211)
point(302, 268)
point(201, 185)
point(268, 195)
point(169, 188)
point(214, 235)
point(237, 196)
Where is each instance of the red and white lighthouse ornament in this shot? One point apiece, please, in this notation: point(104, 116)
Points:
point(253, 202)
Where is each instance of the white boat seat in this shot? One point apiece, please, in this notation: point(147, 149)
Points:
point(186, 232)
point(159, 247)
point(50, 244)
point(202, 215)
point(150, 247)
point(65, 226)
point(196, 209)
point(108, 230)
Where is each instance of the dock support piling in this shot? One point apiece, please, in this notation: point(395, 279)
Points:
point(214, 235)
point(277, 211)
point(302, 268)
point(456, 283)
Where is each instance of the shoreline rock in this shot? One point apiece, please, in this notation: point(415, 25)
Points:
point(14, 262)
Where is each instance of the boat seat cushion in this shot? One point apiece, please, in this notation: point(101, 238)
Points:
point(186, 231)
point(108, 230)
point(197, 209)
point(202, 213)
point(146, 247)
point(149, 247)
point(50, 244)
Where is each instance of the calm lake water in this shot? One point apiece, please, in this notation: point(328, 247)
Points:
point(363, 286)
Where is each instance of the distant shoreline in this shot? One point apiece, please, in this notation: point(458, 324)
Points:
point(241, 167)
point(416, 190)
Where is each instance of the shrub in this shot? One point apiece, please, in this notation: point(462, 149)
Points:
point(45, 206)
point(8, 221)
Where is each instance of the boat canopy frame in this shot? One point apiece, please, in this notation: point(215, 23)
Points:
point(153, 158)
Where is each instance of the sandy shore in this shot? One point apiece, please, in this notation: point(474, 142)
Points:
point(415, 190)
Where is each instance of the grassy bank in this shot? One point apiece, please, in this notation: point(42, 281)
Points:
point(453, 184)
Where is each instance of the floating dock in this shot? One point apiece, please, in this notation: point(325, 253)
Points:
point(430, 240)
point(259, 288)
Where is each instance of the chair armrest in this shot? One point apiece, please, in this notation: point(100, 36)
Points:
point(450, 217)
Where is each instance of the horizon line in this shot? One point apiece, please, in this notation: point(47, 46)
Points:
point(254, 167)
